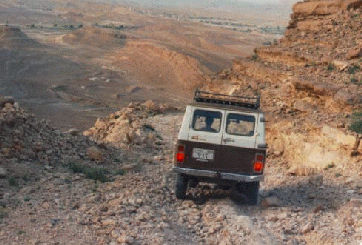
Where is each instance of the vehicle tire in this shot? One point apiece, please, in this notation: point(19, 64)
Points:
point(224, 187)
point(193, 183)
point(252, 192)
point(181, 186)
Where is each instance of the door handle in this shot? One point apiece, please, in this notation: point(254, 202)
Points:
point(226, 140)
point(197, 138)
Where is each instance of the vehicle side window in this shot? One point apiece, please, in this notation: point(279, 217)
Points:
point(241, 125)
point(208, 121)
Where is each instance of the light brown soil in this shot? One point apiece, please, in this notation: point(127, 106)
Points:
point(74, 75)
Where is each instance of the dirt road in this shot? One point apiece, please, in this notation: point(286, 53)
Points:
point(140, 208)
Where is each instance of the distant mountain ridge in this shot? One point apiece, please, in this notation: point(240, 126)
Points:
point(212, 3)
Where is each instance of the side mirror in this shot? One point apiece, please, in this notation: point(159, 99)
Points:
point(263, 119)
point(262, 146)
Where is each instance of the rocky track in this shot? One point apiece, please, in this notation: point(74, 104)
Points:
point(61, 207)
point(114, 184)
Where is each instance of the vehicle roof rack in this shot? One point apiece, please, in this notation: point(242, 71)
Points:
point(252, 102)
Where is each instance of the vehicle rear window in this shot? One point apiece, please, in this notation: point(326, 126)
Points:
point(208, 121)
point(238, 124)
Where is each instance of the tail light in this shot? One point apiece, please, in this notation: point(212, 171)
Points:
point(180, 154)
point(259, 163)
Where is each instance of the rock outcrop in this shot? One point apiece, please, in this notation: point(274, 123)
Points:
point(310, 83)
point(26, 139)
point(127, 127)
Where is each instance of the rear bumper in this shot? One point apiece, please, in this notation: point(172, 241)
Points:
point(219, 175)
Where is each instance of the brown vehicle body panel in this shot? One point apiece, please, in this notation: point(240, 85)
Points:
point(228, 159)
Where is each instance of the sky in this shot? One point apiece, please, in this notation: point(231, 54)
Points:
point(213, 2)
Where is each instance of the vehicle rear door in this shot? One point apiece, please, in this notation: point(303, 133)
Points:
point(206, 125)
point(204, 139)
point(238, 141)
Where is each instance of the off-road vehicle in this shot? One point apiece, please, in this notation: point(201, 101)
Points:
point(222, 141)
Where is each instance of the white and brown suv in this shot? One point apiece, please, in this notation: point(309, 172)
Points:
point(221, 140)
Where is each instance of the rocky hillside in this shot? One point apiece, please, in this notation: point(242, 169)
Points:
point(28, 145)
point(14, 38)
point(310, 82)
point(95, 37)
point(65, 188)
point(114, 184)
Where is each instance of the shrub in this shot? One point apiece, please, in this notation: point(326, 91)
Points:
point(13, 182)
point(331, 165)
point(330, 67)
point(3, 213)
point(353, 69)
point(26, 178)
point(95, 173)
point(99, 174)
point(356, 124)
point(119, 172)
point(354, 80)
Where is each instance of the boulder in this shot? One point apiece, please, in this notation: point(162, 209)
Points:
point(277, 147)
point(344, 97)
point(95, 153)
point(100, 123)
point(6, 100)
point(354, 53)
point(340, 65)
point(338, 136)
point(302, 171)
point(3, 172)
point(150, 105)
point(355, 202)
point(133, 89)
point(73, 131)
point(271, 201)
point(108, 222)
point(124, 239)
point(303, 106)
point(129, 167)
point(307, 228)
point(316, 180)
point(315, 87)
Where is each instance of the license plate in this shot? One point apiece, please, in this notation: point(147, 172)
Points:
point(203, 155)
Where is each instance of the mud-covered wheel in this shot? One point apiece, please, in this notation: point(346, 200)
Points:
point(252, 192)
point(181, 186)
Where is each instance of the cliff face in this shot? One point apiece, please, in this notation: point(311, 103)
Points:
point(310, 83)
point(327, 29)
point(313, 8)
